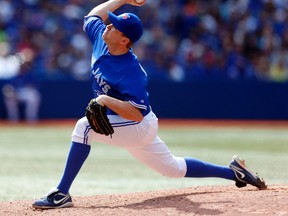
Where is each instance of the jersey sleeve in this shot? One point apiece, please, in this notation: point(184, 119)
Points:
point(94, 27)
point(133, 87)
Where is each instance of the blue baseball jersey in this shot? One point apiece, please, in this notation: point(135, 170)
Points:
point(120, 76)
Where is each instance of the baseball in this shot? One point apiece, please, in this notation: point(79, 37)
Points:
point(139, 1)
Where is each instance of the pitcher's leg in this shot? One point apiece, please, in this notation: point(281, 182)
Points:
point(79, 151)
point(158, 157)
point(76, 157)
point(200, 169)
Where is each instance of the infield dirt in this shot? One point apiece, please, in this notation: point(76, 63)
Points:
point(204, 200)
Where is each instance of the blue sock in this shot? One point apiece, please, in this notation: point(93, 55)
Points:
point(200, 169)
point(76, 158)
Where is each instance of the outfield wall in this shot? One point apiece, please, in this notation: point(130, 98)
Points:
point(199, 100)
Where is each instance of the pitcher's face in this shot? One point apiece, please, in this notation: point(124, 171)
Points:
point(111, 35)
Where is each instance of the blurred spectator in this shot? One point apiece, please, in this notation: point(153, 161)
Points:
point(21, 90)
point(279, 66)
point(9, 64)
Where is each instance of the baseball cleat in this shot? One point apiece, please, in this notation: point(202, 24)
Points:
point(244, 176)
point(54, 199)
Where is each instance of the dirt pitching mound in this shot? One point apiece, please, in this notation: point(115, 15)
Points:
point(208, 200)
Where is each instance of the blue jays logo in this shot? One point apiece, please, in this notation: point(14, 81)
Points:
point(125, 16)
point(101, 82)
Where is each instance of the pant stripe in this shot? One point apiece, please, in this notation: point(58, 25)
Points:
point(122, 124)
point(88, 128)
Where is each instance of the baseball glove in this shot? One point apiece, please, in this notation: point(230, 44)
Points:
point(97, 118)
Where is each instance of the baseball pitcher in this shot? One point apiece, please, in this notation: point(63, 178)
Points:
point(121, 115)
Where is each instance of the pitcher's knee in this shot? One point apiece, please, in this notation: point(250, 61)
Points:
point(177, 169)
point(81, 130)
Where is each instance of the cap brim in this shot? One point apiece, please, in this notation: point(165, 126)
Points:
point(114, 20)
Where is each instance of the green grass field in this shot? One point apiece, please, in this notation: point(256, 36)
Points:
point(32, 159)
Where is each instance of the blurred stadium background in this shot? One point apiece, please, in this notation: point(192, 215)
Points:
point(222, 58)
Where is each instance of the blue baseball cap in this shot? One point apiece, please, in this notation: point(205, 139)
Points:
point(127, 23)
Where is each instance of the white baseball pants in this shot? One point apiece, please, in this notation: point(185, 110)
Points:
point(139, 139)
